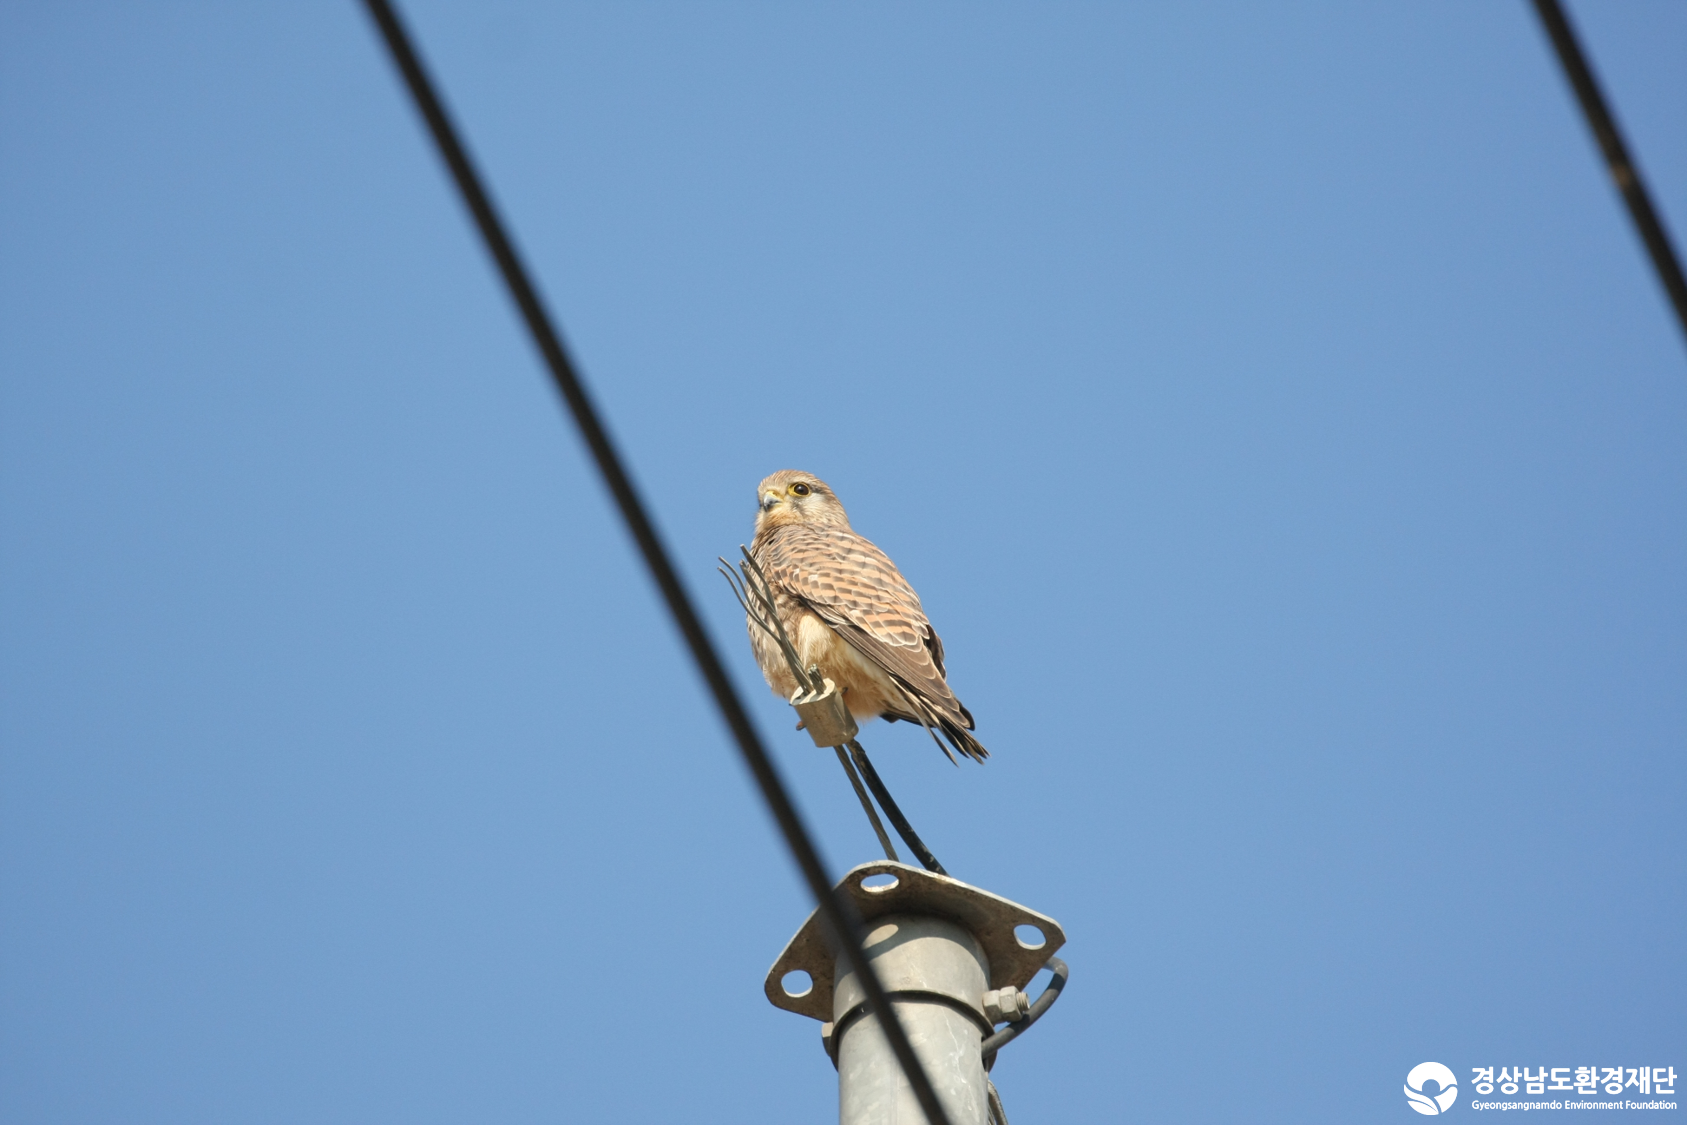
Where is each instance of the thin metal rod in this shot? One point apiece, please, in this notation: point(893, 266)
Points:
point(867, 806)
point(888, 803)
point(836, 911)
point(1610, 139)
point(761, 589)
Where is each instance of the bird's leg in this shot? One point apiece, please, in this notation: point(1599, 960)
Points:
point(888, 804)
point(867, 806)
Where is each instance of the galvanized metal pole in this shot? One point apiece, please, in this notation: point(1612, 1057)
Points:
point(935, 973)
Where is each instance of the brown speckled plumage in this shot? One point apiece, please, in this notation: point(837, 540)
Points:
point(848, 609)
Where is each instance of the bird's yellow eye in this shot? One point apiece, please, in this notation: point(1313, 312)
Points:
point(800, 489)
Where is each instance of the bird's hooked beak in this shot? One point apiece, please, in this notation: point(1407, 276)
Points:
point(769, 499)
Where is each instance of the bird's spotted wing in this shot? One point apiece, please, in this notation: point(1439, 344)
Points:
point(855, 587)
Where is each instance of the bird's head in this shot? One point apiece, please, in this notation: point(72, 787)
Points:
point(789, 496)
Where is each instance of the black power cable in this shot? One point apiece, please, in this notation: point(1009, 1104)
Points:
point(888, 803)
point(836, 911)
point(1623, 171)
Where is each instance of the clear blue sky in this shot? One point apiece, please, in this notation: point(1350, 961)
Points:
point(1272, 405)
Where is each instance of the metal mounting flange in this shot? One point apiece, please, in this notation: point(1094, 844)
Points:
point(910, 890)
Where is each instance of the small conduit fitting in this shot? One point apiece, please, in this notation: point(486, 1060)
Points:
point(824, 715)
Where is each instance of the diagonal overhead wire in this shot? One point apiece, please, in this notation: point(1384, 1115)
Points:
point(1623, 172)
point(833, 908)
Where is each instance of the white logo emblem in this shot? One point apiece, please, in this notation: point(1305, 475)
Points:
point(1424, 1101)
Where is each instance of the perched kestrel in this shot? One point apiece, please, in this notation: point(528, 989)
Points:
point(846, 608)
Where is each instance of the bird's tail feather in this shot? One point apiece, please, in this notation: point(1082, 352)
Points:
point(935, 721)
point(963, 740)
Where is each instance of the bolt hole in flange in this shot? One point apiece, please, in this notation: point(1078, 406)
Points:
point(879, 884)
point(797, 983)
point(1029, 936)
